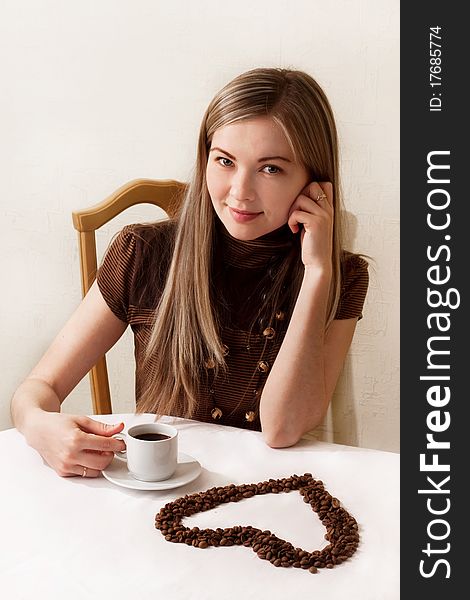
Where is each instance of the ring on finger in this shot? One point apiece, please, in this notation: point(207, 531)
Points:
point(84, 471)
point(320, 197)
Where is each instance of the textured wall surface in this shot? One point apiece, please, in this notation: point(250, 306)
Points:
point(98, 93)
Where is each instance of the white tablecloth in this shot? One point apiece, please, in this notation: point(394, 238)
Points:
point(89, 539)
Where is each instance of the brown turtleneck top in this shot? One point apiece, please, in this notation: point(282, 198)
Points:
point(132, 276)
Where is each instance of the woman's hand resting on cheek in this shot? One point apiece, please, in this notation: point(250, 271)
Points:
point(69, 443)
point(313, 208)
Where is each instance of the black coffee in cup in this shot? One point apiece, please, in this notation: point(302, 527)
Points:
point(151, 437)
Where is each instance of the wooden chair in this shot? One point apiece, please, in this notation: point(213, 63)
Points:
point(164, 194)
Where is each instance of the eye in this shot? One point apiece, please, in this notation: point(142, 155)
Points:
point(225, 162)
point(272, 169)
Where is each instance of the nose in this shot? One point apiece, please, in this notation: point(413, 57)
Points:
point(241, 186)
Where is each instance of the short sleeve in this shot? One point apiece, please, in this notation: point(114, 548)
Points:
point(355, 282)
point(116, 273)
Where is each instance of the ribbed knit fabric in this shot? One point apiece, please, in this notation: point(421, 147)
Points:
point(134, 256)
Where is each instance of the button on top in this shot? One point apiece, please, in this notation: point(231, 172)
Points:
point(263, 366)
point(269, 332)
point(250, 416)
point(216, 413)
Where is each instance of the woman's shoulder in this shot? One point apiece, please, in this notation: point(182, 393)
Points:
point(146, 241)
point(352, 263)
point(153, 245)
point(150, 234)
point(354, 285)
point(135, 264)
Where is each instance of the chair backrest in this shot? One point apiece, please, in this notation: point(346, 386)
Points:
point(162, 193)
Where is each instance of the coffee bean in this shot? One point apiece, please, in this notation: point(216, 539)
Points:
point(341, 527)
point(313, 569)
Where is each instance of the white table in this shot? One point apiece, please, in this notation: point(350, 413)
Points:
point(89, 539)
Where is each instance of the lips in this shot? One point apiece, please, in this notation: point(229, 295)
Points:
point(244, 212)
point(243, 216)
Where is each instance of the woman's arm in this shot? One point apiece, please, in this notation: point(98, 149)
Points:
point(69, 442)
point(304, 375)
point(298, 390)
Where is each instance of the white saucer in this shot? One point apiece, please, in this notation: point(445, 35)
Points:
point(187, 470)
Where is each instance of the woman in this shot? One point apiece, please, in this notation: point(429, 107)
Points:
point(243, 307)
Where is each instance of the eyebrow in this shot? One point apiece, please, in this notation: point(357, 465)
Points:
point(262, 159)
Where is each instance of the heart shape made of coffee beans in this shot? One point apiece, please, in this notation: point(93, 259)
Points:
point(341, 527)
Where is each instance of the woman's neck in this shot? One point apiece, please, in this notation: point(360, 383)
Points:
point(257, 253)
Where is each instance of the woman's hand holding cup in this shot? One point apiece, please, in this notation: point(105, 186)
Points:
point(73, 444)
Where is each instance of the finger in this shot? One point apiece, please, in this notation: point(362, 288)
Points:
point(312, 190)
point(97, 427)
point(100, 443)
point(309, 219)
point(306, 204)
point(316, 207)
point(327, 189)
point(298, 217)
point(86, 472)
point(293, 225)
point(302, 208)
point(77, 470)
point(317, 189)
point(95, 460)
point(97, 436)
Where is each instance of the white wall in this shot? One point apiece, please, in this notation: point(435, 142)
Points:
point(96, 93)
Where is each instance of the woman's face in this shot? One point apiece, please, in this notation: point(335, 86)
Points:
point(252, 177)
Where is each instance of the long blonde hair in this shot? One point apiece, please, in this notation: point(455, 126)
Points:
point(186, 332)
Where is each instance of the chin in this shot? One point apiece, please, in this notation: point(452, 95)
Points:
point(247, 231)
point(242, 233)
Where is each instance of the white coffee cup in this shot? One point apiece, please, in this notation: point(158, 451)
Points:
point(150, 459)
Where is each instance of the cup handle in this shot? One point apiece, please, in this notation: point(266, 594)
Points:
point(121, 454)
